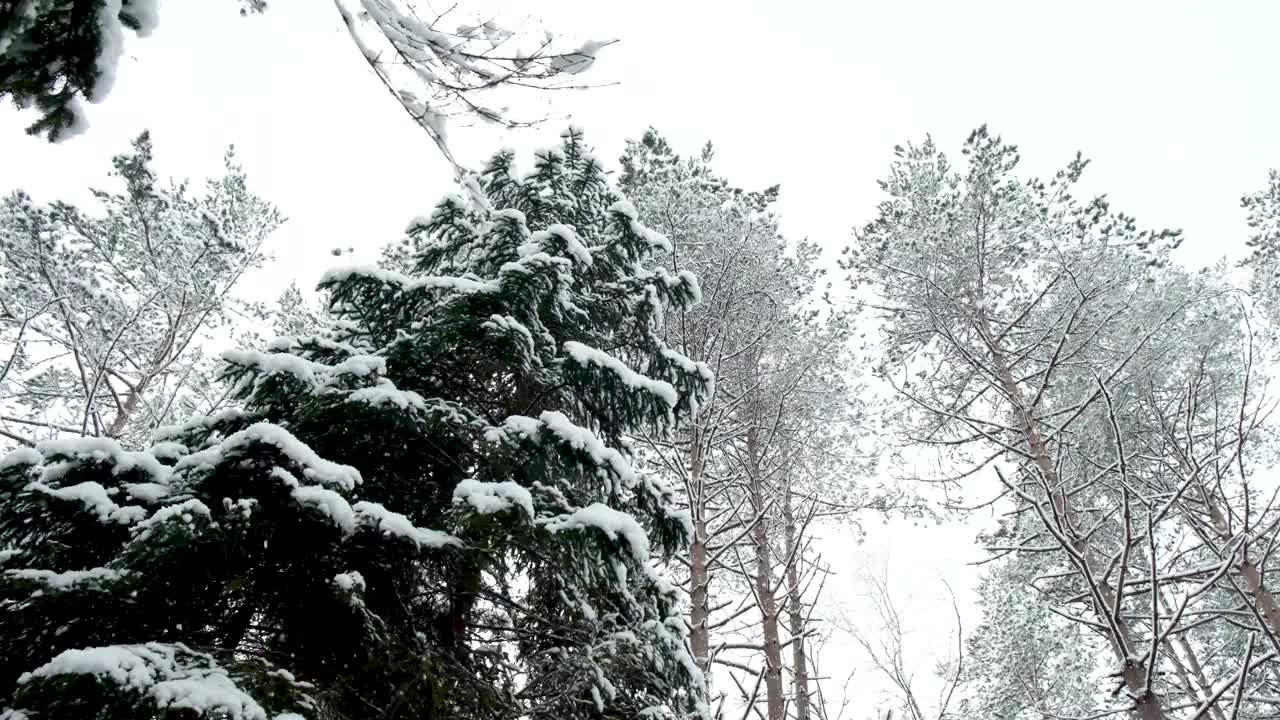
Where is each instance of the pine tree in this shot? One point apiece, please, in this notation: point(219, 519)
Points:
point(721, 233)
point(1024, 661)
point(1011, 315)
point(758, 460)
point(1116, 396)
point(476, 544)
point(294, 315)
point(103, 310)
point(1262, 212)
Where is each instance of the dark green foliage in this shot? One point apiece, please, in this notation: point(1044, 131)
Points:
point(54, 54)
point(483, 550)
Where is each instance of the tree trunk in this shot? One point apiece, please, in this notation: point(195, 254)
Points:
point(795, 612)
point(1264, 601)
point(699, 611)
point(764, 585)
point(1193, 674)
point(128, 409)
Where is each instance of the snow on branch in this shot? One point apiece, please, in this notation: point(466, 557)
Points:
point(305, 371)
point(97, 449)
point(95, 500)
point(613, 523)
point(317, 469)
point(583, 440)
point(493, 497)
point(376, 517)
point(184, 512)
point(405, 283)
point(437, 70)
point(545, 239)
point(587, 356)
point(20, 456)
point(171, 677)
point(68, 580)
point(202, 423)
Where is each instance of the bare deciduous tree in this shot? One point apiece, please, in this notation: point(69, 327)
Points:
point(884, 644)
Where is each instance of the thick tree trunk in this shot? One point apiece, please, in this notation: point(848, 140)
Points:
point(1147, 704)
point(764, 587)
point(795, 612)
point(1263, 599)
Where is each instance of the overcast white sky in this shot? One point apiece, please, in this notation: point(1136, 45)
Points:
point(1176, 103)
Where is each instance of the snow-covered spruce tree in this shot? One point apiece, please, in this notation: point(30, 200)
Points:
point(482, 551)
point(56, 53)
point(53, 53)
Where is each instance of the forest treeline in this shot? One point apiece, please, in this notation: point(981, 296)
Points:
point(572, 447)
